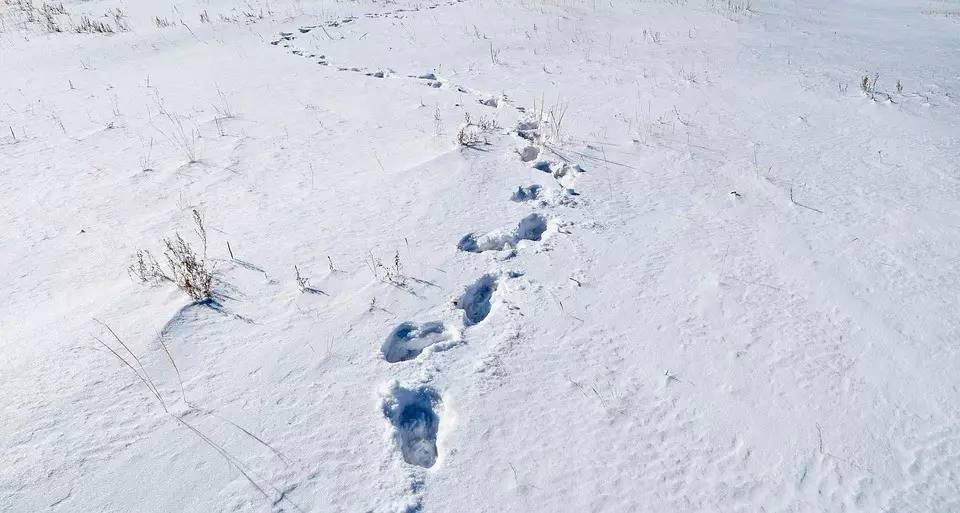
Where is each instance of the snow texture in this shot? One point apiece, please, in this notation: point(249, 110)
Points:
point(687, 256)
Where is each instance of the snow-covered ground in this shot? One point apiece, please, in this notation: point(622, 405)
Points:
point(694, 256)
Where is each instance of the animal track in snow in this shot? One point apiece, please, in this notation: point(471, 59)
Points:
point(531, 227)
point(490, 101)
point(476, 300)
point(526, 193)
point(430, 79)
point(565, 174)
point(529, 153)
point(409, 339)
point(412, 412)
point(528, 130)
point(545, 198)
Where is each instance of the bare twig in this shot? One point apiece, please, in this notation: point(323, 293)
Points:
point(175, 368)
point(145, 378)
point(801, 204)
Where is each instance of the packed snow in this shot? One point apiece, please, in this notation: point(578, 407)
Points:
point(480, 256)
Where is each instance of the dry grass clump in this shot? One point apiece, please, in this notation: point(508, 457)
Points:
point(182, 265)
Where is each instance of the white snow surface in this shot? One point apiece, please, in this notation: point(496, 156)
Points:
point(685, 261)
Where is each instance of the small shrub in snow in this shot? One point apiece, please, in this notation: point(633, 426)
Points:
point(183, 265)
point(303, 283)
point(469, 136)
point(868, 84)
point(472, 133)
point(551, 119)
point(90, 26)
point(50, 13)
point(495, 55)
point(392, 274)
point(185, 138)
point(119, 20)
point(97, 26)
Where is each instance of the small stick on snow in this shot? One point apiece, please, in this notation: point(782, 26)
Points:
point(327, 33)
point(183, 394)
point(145, 378)
point(801, 204)
point(191, 32)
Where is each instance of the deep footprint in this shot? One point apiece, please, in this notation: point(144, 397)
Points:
point(412, 413)
point(526, 193)
point(476, 300)
point(531, 227)
point(529, 153)
point(408, 340)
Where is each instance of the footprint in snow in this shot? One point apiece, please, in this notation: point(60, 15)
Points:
point(430, 79)
point(531, 227)
point(476, 300)
point(491, 101)
point(526, 193)
point(528, 130)
point(529, 153)
point(564, 173)
point(409, 339)
point(412, 412)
